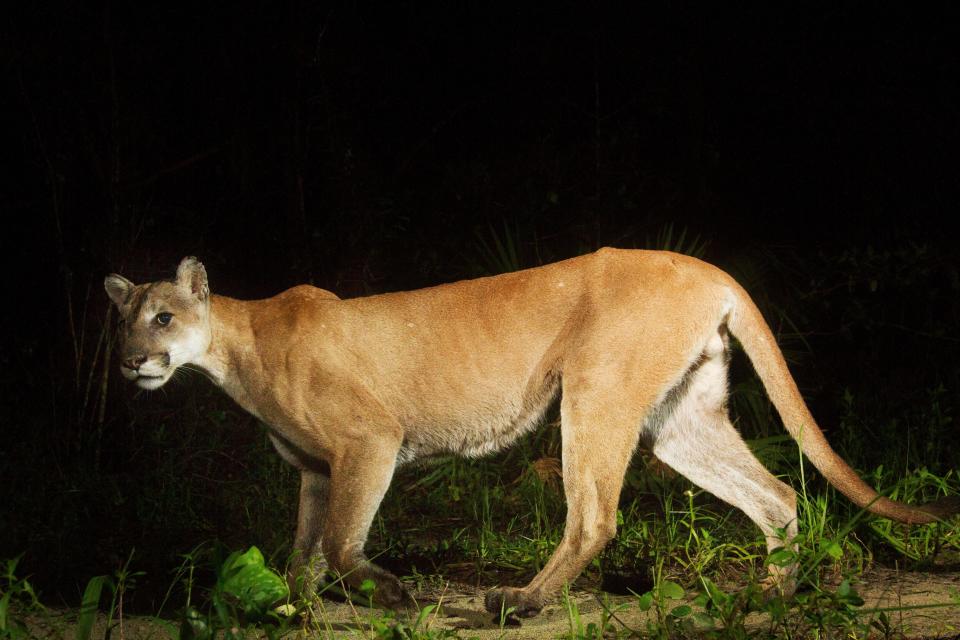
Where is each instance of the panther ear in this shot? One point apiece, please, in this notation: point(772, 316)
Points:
point(118, 288)
point(192, 275)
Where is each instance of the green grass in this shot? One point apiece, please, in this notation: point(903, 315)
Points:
point(704, 563)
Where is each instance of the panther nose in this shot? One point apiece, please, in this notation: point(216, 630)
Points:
point(133, 362)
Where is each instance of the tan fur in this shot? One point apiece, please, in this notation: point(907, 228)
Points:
point(635, 340)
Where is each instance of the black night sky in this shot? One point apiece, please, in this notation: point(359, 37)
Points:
point(343, 143)
point(367, 147)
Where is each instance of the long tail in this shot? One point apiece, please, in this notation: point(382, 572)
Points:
point(747, 324)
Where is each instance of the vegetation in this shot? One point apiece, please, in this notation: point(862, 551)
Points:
point(188, 466)
point(685, 599)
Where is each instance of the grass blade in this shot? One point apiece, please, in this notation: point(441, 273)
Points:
point(89, 607)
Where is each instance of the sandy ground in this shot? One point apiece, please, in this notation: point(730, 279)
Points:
point(917, 596)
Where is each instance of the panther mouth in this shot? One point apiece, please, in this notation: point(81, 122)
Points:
point(150, 382)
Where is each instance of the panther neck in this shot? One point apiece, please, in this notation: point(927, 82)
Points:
point(231, 340)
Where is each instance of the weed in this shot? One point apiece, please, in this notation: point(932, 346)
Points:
point(921, 544)
point(664, 601)
point(17, 598)
point(497, 252)
point(243, 594)
point(117, 586)
point(667, 240)
point(605, 628)
point(389, 628)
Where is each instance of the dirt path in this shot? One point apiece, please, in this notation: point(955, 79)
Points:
point(912, 601)
point(919, 605)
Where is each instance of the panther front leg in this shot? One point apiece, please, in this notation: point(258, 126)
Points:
point(307, 565)
point(359, 478)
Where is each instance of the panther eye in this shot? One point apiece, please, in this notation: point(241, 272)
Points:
point(163, 318)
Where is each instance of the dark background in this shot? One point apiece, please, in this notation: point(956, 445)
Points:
point(367, 147)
